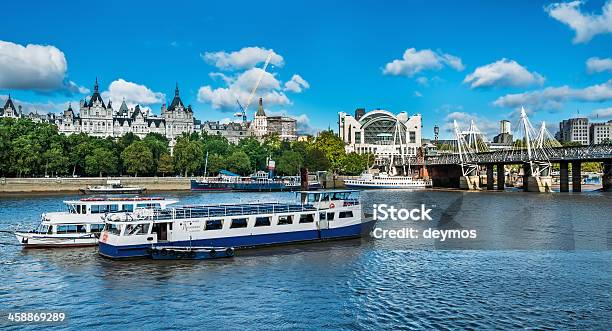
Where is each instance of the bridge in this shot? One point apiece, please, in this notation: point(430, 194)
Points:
point(535, 150)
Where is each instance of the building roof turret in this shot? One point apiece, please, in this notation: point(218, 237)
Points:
point(260, 110)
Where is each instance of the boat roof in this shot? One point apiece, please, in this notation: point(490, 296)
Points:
point(119, 199)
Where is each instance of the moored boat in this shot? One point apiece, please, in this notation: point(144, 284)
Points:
point(113, 187)
point(384, 181)
point(82, 222)
point(318, 216)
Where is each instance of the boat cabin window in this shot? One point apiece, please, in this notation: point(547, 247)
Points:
point(214, 225)
point(135, 229)
point(262, 221)
point(330, 216)
point(325, 197)
point(113, 228)
point(101, 209)
point(96, 227)
point(149, 205)
point(313, 197)
point(128, 208)
point(306, 218)
point(71, 229)
point(285, 219)
point(340, 196)
point(322, 216)
point(238, 223)
point(43, 229)
point(345, 214)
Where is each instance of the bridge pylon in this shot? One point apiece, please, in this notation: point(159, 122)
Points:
point(470, 179)
point(537, 168)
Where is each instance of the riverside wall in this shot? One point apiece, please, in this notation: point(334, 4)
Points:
point(68, 184)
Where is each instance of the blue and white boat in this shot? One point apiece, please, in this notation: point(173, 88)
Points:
point(318, 216)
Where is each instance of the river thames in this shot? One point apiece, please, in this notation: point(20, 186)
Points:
point(538, 261)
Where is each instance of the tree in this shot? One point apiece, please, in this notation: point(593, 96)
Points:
point(333, 148)
point(55, 160)
point(188, 155)
point(316, 160)
point(101, 160)
point(238, 162)
point(354, 164)
point(216, 163)
point(165, 165)
point(289, 163)
point(25, 156)
point(158, 145)
point(78, 148)
point(137, 157)
point(257, 152)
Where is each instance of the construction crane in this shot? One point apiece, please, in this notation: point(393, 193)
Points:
point(244, 109)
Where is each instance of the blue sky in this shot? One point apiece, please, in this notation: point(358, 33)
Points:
point(341, 51)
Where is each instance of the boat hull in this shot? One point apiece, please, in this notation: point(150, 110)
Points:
point(110, 191)
point(29, 240)
point(168, 253)
point(243, 242)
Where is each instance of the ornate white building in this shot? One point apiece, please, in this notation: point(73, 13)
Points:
point(9, 109)
point(285, 127)
point(99, 119)
point(380, 132)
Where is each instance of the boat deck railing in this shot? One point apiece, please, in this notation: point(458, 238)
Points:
point(188, 212)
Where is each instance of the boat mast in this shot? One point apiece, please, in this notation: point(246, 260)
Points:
point(206, 165)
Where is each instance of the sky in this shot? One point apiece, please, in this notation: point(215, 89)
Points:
point(446, 60)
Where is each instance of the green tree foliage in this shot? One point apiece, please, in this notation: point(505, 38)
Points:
point(188, 154)
point(165, 164)
point(333, 148)
point(101, 161)
point(354, 164)
point(137, 158)
point(289, 163)
point(37, 149)
point(238, 162)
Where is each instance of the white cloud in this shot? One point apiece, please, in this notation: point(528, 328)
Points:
point(423, 81)
point(35, 67)
point(596, 64)
point(413, 62)
point(296, 84)
point(133, 93)
point(239, 84)
point(487, 127)
point(245, 58)
point(503, 73)
point(585, 25)
point(553, 98)
point(603, 113)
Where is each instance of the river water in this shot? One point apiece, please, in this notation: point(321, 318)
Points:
point(538, 261)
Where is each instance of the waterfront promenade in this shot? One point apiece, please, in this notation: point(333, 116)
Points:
point(73, 184)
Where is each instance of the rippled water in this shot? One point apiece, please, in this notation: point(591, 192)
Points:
point(539, 261)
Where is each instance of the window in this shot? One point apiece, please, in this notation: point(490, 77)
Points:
point(314, 197)
point(129, 208)
point(96, 227)
point(262, 221)
point(285, 219)
point(112, 228)
point(214, 225)
point(330, 216)
point(136, 229)
point(239, 223)
point(306, 218)
point(322, 216)
point(81, 228)
point(62, 229)
point(114, 208)
point(345, 214)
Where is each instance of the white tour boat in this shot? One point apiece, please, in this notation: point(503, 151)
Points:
point(82, 223)
point(383, 180)
point(319, 215)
